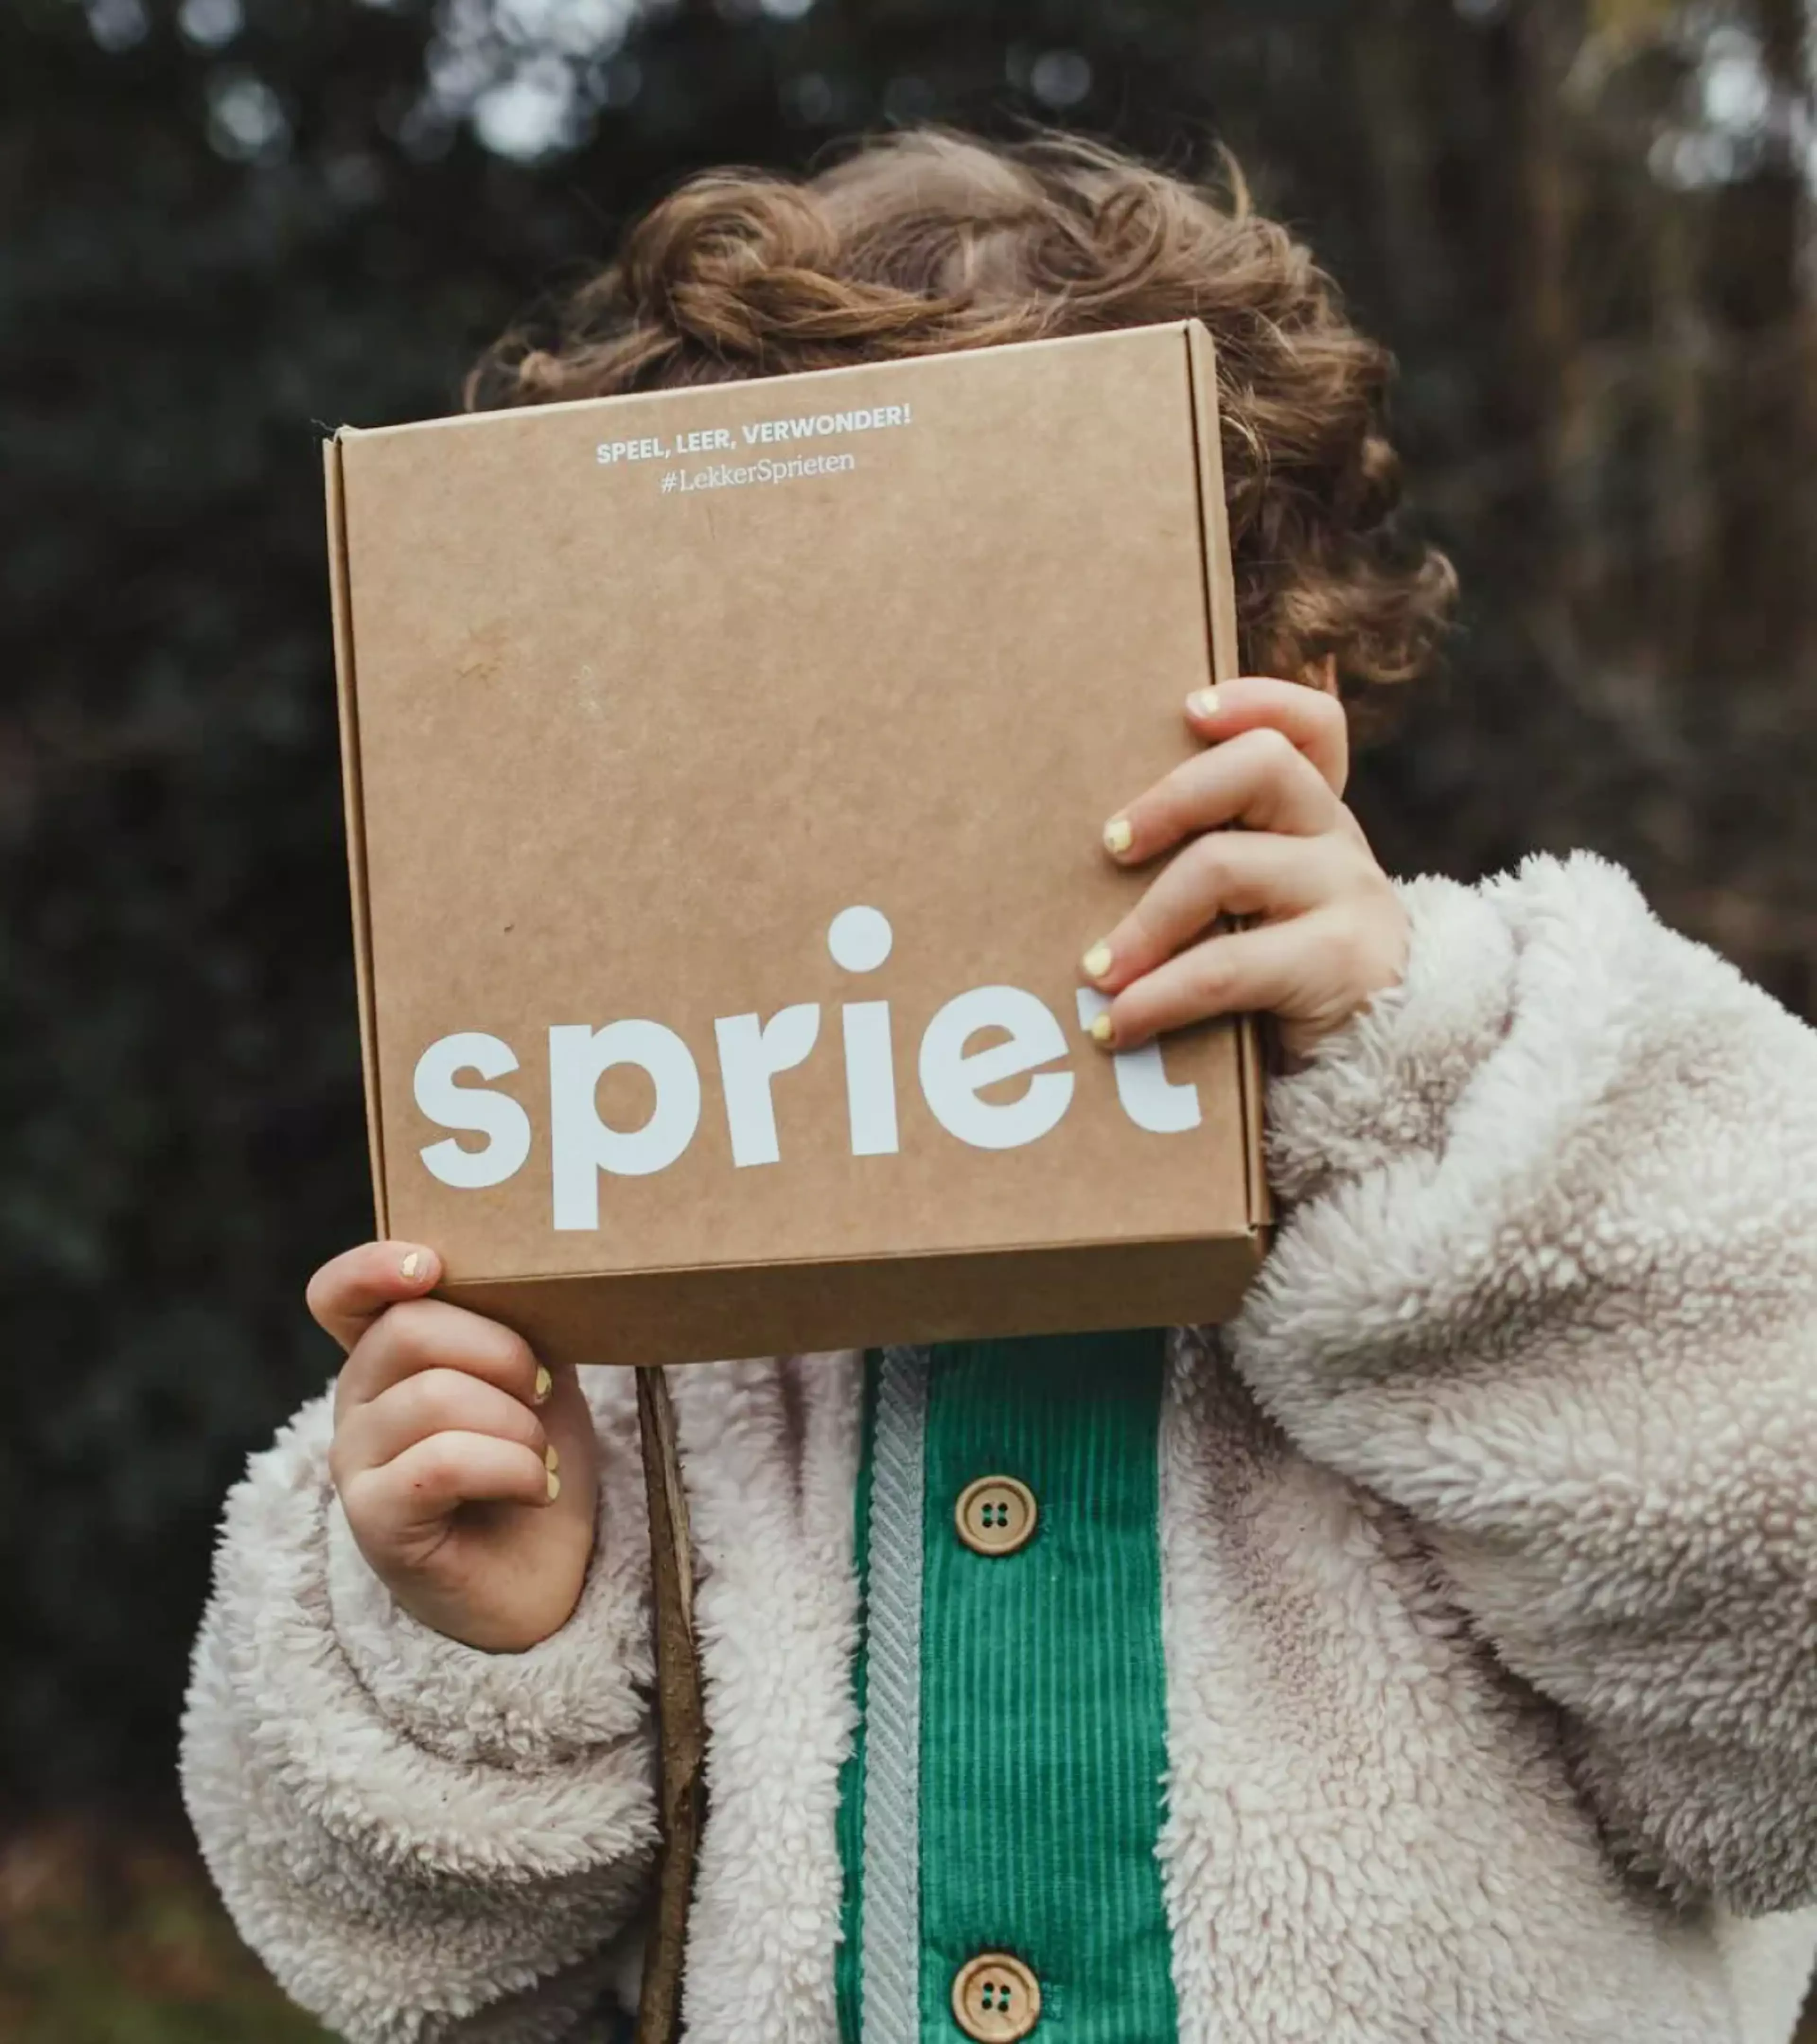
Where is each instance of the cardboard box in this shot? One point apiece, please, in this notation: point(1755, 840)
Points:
point(725, 773)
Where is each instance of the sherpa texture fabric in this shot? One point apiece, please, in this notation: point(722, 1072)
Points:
point(1489, 1585)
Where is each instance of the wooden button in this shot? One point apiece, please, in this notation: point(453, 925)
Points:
point(996, 1515)
point(995, 1998)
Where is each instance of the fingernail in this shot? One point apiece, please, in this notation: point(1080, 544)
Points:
point(1118, 836)
point(1096, 963)
point(554, 1486)
point(1101, 1031)
point(411, 1264)
point(1203, 702)
point(545, 1384)
point(552, 1462)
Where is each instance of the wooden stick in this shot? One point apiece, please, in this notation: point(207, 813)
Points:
point(680, 1717)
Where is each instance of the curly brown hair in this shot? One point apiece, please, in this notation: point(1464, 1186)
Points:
point(927, 239)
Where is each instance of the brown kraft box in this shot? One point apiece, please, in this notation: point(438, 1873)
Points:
point(725, 771)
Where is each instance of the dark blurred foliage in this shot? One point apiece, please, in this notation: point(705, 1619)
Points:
point(224, 226)
point(106, 1939)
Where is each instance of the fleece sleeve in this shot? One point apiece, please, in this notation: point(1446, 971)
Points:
point(1548, 1281)
point(422, 1842)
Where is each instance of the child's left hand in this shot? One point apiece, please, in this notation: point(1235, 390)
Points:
point(1329, 931)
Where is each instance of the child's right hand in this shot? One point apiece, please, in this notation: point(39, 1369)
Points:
point(469, 1473)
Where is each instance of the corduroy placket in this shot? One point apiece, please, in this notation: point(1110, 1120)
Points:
point(1004, 1793)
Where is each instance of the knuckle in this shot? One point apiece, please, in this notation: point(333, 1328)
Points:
point(411, 1335)
point(1298, 765)
point(433, 1398)
point(438, 1464)
point(1137, 943)
point(1170, 815)
point(1181, 793)
point(1328, 710)
point(1184, 902)
point(1273, 751)
point(1208, 860)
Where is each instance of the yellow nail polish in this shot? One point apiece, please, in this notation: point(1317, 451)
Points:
point(552, 1462)
point(1203, 702)
point(545, 1384)
point(1097, 962)
point(1118, 836)
point(554, 1486)
point(1101, 1029)
point(411, 1264)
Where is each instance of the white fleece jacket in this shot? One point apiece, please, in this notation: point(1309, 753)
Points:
point(1489, 1544)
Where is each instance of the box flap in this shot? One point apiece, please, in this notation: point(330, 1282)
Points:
point(1220, 588)
point(341, 612)
point(1226, 661)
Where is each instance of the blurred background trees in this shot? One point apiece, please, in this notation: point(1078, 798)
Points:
point(1584, 225)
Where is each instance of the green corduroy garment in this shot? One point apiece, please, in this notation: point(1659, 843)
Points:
point(1042, 1701)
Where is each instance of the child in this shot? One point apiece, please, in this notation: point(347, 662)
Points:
point(1430, 1654)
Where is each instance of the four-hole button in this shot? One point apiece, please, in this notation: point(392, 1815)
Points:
point(995, 1998)
point(995, 1515)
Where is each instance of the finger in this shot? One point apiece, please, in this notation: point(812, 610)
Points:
point(431, 1334)
point(347, 1294)
point(1268, 968)
point(1222, 873)
point(433, 1401)
point(1260, 779)
point(1314, 719)
point(435, 1477)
